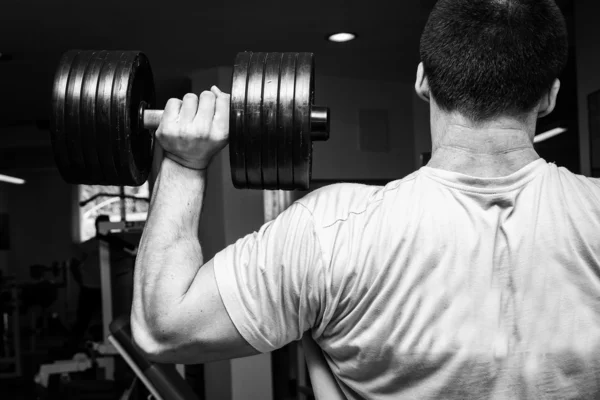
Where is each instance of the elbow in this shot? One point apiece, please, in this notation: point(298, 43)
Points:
point(155, 341)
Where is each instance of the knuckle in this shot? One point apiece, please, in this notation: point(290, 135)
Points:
point(207, 95)
point(173, 102)
point(167, 128)
point(222, 129)
point(189, 129)
point(190, 97)
point(202, 129)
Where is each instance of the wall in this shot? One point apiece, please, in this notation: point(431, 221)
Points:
point(40, 220)
point(422, 129)
point(4, 253)
point(587, 31)
point(341, 157)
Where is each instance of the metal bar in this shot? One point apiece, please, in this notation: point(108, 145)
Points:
point(135, 368)
point(151, 118)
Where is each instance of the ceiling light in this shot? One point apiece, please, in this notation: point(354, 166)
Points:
point(341, 37)
point(10, 179)
point(548, 134)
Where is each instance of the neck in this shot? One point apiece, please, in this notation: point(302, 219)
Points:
point(489, 150)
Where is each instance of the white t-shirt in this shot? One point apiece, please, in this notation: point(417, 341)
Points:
point(436, 286)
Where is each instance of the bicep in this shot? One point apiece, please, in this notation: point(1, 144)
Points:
point(256, 295)
point(205, 330)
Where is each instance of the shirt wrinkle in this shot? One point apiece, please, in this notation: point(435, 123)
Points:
point(450, 287)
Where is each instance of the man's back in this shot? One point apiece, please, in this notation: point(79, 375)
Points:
point(446, 286)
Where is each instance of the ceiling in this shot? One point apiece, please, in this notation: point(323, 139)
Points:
point(181, 36)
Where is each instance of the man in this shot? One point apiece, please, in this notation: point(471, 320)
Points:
point(475, 277)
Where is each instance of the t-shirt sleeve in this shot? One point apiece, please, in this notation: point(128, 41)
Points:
point(270, 281)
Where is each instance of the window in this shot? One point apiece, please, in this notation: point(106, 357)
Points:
point(106, 200)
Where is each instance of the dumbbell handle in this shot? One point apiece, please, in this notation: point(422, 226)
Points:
point(319, 121)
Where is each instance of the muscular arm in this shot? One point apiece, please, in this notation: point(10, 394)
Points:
point(170, 255)
point(177, 314)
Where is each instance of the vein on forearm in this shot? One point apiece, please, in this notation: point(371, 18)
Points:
point(170, 254)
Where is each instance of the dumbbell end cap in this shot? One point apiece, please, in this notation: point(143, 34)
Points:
point(319, 123)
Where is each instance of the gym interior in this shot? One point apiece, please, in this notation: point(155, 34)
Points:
point(67, 249)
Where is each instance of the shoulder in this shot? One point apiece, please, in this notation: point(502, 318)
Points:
point(568, 178)
point(337, 202)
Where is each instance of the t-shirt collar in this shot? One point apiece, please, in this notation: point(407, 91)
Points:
point(487, 185)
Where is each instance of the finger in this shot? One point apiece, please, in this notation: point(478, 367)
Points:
point(221, 117)
point(206, 110)
point(216, 90)
point(188, 108)
point(171, 112)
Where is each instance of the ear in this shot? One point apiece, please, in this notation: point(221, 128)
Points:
point(548, 102)
point(421, 84)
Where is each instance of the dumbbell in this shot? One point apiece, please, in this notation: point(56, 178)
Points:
point(103, 121)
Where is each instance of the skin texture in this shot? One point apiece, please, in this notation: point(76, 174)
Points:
point(494, 149)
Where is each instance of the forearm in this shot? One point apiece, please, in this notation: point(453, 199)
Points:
point(169, 254)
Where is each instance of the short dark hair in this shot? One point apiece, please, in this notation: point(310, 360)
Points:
point(487, 58)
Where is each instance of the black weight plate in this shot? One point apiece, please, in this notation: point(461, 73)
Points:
point(285, 121)
point(57, 118)
point(309, 155)
point(119, 105)
point(135, 84)
point(253, 132)
point(89, 139)
point(269, 116)
point(302, 106)
point(74, 117)
point(237, 120)
point(104, 132)
point(118, 115)
point(142, 140)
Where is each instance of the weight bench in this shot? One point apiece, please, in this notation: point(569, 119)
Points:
point(162, 380)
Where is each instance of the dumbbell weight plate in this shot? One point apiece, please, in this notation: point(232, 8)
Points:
point(303, 100)
point(237, 120)
point(117, 111)
point(104, 117)
point(285, 122)
point(269, 117)
point(96, 134)
point(136, 147)
point(58, 134)
point(88, 132)
point(133, 83)
point(74, 116)
point(142, 90)
point(253, 132)
point(119, 116)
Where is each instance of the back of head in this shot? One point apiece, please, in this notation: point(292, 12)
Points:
point(488, 58)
